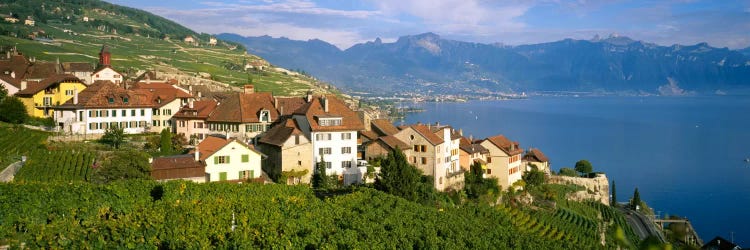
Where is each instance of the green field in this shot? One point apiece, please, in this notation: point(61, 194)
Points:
point(57, 165)
point(16, 141)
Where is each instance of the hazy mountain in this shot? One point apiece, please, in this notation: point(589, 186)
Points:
point(426, 62)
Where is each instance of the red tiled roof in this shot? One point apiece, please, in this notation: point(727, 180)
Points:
point(176, 167)
point(468, 146)
point(393, 142)
point(504, 144)
point(244, 108)
point(98, 94)
point(425, 131)
point(202, 108)
point(289, 104)
point(535, 155)
point(280, 133)
point(212, 144)
point(10, 80)
point(32, 89)
point(42, 70)
point(162, 91)
point(77, 67)
point(369, 134)
point(336, 108)
point(16, 64)
point(384, 127)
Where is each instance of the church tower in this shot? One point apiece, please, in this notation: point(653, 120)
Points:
point(104, 56)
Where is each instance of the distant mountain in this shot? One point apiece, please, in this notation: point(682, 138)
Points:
point(745, 51)
point(427, 62)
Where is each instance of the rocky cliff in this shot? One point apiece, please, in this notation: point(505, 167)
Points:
point(597, 188)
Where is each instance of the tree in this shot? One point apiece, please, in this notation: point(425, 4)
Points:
point(568, 172)
point(636, 201)
point(614, 194)
point(165, 147)
point(534, 178)
point(584, 167)
point(319, 178)
point(178, 142)
point(475, 185)
point(114, 136)
point(3, 91)
point(123, 164)
point(398, 177)
point(12, 110)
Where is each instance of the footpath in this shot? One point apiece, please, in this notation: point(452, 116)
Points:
point(9, 173)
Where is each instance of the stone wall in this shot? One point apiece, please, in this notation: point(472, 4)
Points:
point(597, 188)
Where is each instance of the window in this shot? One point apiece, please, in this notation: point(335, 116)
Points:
point(346, 164)
point(132, 112)
point(247, 174)
point(80, 116)
point(424, 160)
point(223, 176)
point(156, 112)
point(488, 171)
point(182, 124)
point(296, 139)
point(47, 101)
point(441, 180)
point(69, 92)
point(224, 159)
point(324, 151)
point(416, 148)
point(91, 113)
point(143, 112)
point(414, 160)
point(329, 121)
point(489, 159)
point(111, 100)
point(327, 164)
point(424, 148)
point(114, 113)
point(346, 150)
point(346, 136)
point(265, 116)
point(323, 137)
point(245, 158)
point(299, 163)
point(124, 113)
point(125, 100)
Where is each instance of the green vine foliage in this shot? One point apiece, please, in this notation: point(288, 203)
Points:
point(184, 215)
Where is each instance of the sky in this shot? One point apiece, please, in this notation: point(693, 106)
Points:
point(720, 23)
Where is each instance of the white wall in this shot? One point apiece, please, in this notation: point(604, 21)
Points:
point(73, 123)
point(234, 150)
point(107, 74)
point(336, 144)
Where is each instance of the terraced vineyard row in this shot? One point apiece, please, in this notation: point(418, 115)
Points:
point(62, 165)
point(547, 226)
point(610, 214)
point(18, 141)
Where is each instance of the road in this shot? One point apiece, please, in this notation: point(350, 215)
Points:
point(8, 173)
point(642, 226)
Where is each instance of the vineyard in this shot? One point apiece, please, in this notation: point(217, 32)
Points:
point(18, 141)
point(179, 215)
point(58, 165)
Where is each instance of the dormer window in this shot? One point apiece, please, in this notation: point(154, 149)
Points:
point(329, 121)
point(111, 100)
point(265, 116)
point(125, 100)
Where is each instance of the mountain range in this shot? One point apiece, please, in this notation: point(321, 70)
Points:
point(427, 63)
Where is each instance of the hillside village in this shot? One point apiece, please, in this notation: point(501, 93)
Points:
point(269, 136)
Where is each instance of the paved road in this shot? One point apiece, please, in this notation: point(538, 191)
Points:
point(9, 173)
point(642, 226)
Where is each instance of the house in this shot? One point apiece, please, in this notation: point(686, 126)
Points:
point(289, 153)
point(472, 152)
point(370, 146)
point(167, 100)
point(435, 152)
point(190, 40)
point(14, 65)
point(82, 70)
point(244, 115)
point(212, 41)
point(190, 120)
point(85, 19)
point(332, 127)
point(384, 145)
point(104, 71)
point(10, 18)
point(228, 159)
point(178, 167)
point(103, 105)
point(504, 162)
point(38, 71)
point(11, 85)
point(719, 243)
point(535, 157)
point(40, 98)
point(29, 21)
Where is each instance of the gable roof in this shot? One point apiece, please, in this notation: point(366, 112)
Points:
point(425, 131)
point(535, 155)
point(213, 144)
point(16, 64)
point(103, 67)
point(77, 67)
point(383, 127)
point(368, 134)
point(201, 109)
point(42, 70)
point(470, 147)
point(32, 89)
point(455, 135)
point(244, 108)
point(393, 142)
point(336, 108)
point(510, 148)
point(162, 91)
point(280, 133)
point(176, 167)
point(97, 95)
point(10, 80)
point(289, 105)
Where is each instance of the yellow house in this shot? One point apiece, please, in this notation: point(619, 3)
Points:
point(40, 98)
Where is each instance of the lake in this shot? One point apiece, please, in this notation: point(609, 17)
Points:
point(685, 154)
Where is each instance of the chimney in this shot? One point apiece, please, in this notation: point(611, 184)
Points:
point(275, 102)
point(148, 79)
point(249, 89)
point(150, 160)
point(281, 111)
point(309, 96)
point(471, 139)
point(461, 132)
point(75, 96)
point(197, 154)
point(437, 124)
point(190, 88)
point(199, 94)
point(23, 85)
point(190, 104)
point(325, 104)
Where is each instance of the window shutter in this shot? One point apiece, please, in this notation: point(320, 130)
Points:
point(252, 174)
point(216, 160)
point(227, 159)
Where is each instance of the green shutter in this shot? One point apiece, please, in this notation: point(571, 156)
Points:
point(252, 174)
point(223, 176)
point(216, 160)
point(245, 158)
point(227, 159)
point(239, 175)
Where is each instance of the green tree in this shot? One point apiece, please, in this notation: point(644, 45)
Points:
point(534, 178)
point(477, 187)
point(178, 142)
point(636, 201)
point(12, 110)
point(319, 178)
point(3, 91)
point(614, 195)
point(398, 177)
point(165, 147)
point(114, 136)
point(123, 164)
point(568, 172)
point(584, 167)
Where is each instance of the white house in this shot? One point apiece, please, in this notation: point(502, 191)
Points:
point(105, 72)
point(332, 127)
point(228, 159)
point(212, 41)
point(103, 105)
point(10, 84)
point(167, 100)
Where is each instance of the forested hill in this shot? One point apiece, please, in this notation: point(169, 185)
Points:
point(428, 62)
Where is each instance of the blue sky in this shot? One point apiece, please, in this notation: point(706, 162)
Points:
point(347, 22)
